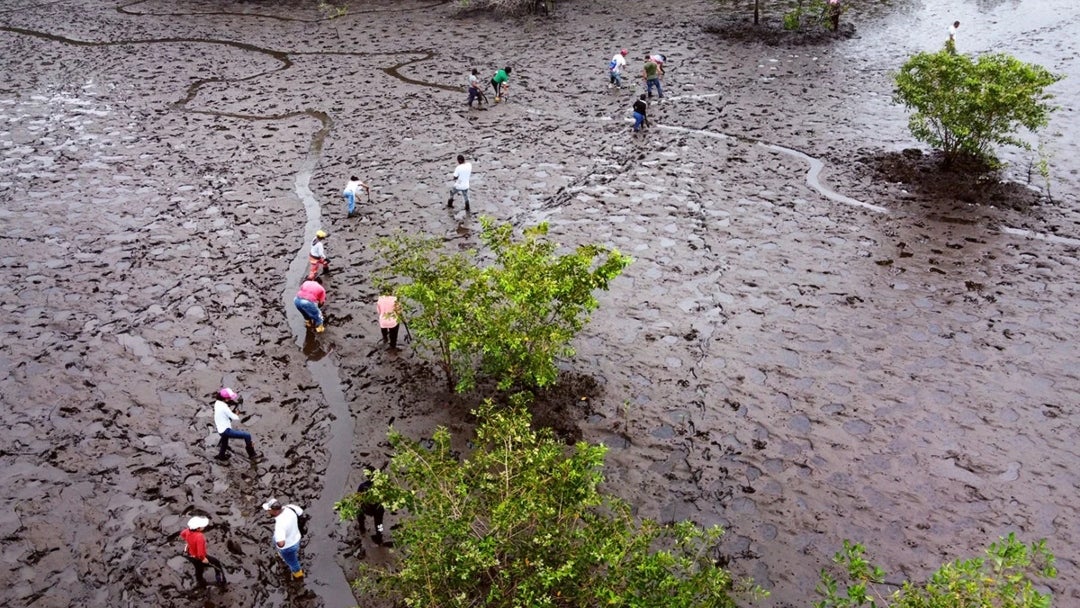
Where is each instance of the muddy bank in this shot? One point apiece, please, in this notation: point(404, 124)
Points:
point(779, 359)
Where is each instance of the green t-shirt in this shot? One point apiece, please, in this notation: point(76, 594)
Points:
point(500, 77)
point(651, 70)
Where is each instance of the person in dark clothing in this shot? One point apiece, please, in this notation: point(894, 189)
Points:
point(641, 109)
point(196, 552)
point(374, 511)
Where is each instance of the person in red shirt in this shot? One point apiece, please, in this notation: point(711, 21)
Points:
point(307, 301)
point(196, 551)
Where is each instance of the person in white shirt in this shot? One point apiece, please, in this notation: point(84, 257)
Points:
point(223, 419)
point(950, 44)
point(475, 92)
point(287, 533)
point(317, 259)
point(350, 191)
point(461, 183)
point(616, 67)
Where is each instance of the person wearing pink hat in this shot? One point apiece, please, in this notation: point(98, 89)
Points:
point(195, 552)
point(223, 420)
point(615, 69)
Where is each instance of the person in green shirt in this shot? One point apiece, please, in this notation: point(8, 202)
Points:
point(652, 77)
point(501, 83)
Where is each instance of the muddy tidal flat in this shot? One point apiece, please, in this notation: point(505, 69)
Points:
point(822, 337)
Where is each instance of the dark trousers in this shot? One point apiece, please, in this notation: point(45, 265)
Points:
point(375, 512)
point(219, 570)
point(474, 95)
point(390, 333)
point(495, 86)
point(223, 445)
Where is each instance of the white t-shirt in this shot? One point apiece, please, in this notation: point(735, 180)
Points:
point(462, 173)
point(286, 526)
point(474, 81)
point(352, 187)
point(317, 249)
point(223, 416)
point(620, 63)
point(952, 32)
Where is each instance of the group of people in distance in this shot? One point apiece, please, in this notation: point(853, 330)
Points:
point(651, 72)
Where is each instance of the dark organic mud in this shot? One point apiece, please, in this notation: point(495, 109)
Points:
point(822, 336)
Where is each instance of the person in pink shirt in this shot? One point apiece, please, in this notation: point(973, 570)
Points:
point(307, 301)
point(388, 318)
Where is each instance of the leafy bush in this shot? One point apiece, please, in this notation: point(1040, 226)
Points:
point(1001, 579)
point(512, 318)
point(963, 106)
point(521, 522)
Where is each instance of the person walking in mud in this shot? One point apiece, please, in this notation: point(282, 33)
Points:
point(317, 259)
point(651, 73)
point(195, 552)
point(615, 69)
point(475, 93)
point(388, 309)
point(311, 296)
point(501, 83)
point(373, 510)
point(223, 420)
point(461, 182)
point(950, 44)
point(641, 113)
point(287, 535)
point(350, 191)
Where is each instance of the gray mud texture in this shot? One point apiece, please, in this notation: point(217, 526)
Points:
point(821, 338)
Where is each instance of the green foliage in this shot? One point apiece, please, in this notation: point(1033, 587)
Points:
point(1001, 579)
point(511, 318)
point(963, 106)
point(331, 11)
point(521, 522)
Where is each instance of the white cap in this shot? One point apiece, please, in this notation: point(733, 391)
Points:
point(197, 522)
point(271, 504)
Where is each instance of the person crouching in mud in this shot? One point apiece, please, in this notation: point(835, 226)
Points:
point(307, 301)
point(374, 511)
point(501, 83)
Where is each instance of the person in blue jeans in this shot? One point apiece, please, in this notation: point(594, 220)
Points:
point(652, 77)
point(641, 109)
point(223, 419)
point(287, 535)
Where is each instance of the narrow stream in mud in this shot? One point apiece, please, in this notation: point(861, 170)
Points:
point(325, 576)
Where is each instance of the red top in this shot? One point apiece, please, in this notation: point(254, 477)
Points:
point(196, 543)
point(312, 292)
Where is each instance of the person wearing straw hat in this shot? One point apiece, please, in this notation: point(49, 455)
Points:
point(196, 551)
point(287, 534)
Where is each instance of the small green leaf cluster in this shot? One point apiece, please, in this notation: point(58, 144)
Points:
point(1004, 578)
point(521, 522)
point(509, 311)
point(964, 106)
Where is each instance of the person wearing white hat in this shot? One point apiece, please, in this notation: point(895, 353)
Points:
point(287, 533)
point(223, 419)
point(196, 551)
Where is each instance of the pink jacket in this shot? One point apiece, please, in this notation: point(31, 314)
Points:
point(312, 292)
point(387, 307)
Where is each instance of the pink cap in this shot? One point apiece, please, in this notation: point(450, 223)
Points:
point(624, 51)
point(227, 394)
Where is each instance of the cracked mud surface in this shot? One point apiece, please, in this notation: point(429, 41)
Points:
point(781, 358)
